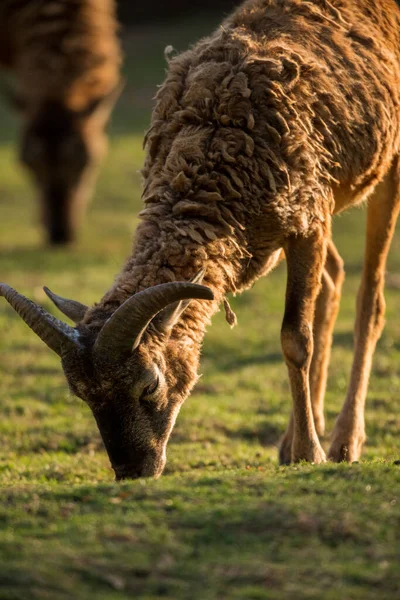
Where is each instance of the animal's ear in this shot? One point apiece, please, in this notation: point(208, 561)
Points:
point(168, 318)
point(70, 308)
point(101, 108)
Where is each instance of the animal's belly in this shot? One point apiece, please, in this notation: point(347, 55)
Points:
point(346, 196)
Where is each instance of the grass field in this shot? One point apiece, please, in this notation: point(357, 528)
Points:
point(224, 521)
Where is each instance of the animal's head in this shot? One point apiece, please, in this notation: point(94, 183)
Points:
point(127, 372)
point(62, 148)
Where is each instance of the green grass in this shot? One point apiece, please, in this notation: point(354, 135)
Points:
point(224, 521)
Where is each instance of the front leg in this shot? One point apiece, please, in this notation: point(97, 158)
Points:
point(305, 263)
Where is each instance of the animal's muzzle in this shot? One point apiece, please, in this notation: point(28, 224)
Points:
point(133, 471)
point(127, 472)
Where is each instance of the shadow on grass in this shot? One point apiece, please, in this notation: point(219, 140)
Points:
point(266, 434)
point(220, 533)
point(224, 359)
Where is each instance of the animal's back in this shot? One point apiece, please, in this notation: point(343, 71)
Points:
point(68, 47)
point(286, 95)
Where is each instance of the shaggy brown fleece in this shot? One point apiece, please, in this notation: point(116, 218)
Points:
point(253, 129)
point(61, 50)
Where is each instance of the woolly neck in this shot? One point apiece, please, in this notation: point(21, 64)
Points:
point(160, 257)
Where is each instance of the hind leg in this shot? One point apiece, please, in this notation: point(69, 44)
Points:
point(383, 208)
point(324, 322)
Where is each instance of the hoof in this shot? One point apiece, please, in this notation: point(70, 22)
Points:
point(308, 450)
point(345, 450)
point(346, 445)
point(292, 452)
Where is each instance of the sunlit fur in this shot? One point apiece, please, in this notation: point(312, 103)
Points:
point(64, 56)
point(287, 114)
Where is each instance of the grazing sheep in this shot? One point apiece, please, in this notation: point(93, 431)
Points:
point(65, 58)
point(288, 114)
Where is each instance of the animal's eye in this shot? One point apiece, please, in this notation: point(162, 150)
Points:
point(149, 390)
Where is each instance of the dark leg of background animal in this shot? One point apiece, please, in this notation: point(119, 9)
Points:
point(58, 218)
point(383, 208)
point(305, 263)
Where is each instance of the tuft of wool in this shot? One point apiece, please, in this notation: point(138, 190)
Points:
point(230, 316)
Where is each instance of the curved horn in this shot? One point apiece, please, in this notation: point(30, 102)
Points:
point(70, 308)
point(169, 316)
point(123, 331)
point(56, 334)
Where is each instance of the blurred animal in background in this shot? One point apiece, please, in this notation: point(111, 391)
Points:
point(64, 57)
point(286, 115)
